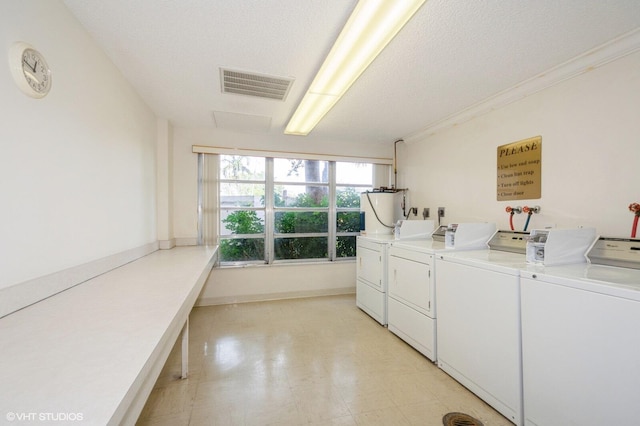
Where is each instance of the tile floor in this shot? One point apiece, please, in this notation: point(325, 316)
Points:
point(319, 361)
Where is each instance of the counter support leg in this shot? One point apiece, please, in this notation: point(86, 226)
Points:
point(185, 350)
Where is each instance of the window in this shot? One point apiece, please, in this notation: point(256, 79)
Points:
point(278, 209)
point(242, 208)
point(351, 180)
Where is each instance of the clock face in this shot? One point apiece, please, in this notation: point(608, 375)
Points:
point(36, 71)
point(30, 70)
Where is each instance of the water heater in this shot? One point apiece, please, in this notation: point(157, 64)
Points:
point(377, 209)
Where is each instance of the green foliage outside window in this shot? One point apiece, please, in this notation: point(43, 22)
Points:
point(243, 249)
point(348, 198)
point(346, 246)
point(301, 248)
point(246, 222)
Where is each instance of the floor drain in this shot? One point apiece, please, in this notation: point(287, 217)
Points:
point(460, 419)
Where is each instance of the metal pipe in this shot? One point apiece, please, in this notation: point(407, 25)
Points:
point(395, 163)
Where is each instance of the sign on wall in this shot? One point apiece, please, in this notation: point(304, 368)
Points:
point(519, 170)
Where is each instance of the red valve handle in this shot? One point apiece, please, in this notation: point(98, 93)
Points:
point(635, 208)
point(526, 209)
point(509, 209)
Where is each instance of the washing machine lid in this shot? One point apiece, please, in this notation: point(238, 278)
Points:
point(492, 260)
point(621, 252)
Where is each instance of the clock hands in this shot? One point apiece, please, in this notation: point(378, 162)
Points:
point(33, 68)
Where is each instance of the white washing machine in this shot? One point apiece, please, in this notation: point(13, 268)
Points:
point(478, 327)
point(479, 311)
point(581, 339)
point(411, 281)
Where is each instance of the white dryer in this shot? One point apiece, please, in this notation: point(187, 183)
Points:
point(412, 284)
point(371, 275)
point(371, 266)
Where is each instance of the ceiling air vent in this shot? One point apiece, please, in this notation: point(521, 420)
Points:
point(261, 86)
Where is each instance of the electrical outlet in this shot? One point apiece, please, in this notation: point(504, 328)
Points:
point(440, 211)
point(425, 212)
point(414, 210)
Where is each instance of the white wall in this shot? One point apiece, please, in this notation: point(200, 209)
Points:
point(77, 168)
point(590, 155)
point(164, 166)
point(269, 282)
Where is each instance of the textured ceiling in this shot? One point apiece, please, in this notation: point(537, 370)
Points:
point(452, 55)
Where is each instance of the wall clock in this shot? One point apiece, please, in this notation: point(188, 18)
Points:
point(30, 70)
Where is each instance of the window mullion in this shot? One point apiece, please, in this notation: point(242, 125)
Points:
point(200, 231)
point(269, 212)
point(332, 211)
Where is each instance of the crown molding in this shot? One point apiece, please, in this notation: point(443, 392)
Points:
point(615, 49)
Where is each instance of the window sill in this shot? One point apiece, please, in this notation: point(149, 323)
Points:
point(287, 264)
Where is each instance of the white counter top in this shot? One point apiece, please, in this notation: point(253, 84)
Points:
point(87, 351)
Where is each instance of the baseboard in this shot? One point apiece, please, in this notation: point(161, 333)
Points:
point(181, 242)
point(167, 244)
point(21, 295)
point(229, 300)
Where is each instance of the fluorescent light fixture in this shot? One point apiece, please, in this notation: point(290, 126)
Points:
point(371, 26)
